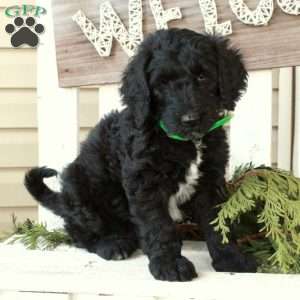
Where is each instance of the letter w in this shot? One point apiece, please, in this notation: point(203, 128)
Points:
point(111, 27)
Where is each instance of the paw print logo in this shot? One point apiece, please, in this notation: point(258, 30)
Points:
point(24, 32)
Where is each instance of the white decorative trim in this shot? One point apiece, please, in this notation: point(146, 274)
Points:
point(161, 16)
point(291, 7)
point(260, 16)
point(112, 26)
point(210, 16)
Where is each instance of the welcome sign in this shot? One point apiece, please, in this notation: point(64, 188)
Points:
point(95, 39)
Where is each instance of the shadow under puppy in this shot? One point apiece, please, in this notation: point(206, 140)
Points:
point(126, 187)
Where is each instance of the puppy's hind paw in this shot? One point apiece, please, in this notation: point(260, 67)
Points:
point(172, 269)
point(116, 248)
point(240, 264)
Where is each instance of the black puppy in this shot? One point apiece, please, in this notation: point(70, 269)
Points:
point(138, 167)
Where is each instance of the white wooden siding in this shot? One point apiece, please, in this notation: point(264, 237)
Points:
point(18, 142)
point(18, 123)
point(18, 68)
point(17, 108)
point(88, 107)
point(13, 192)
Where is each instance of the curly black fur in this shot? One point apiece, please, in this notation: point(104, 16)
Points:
point(115, 195)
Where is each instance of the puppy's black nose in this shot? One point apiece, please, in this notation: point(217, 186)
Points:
point(189, 118)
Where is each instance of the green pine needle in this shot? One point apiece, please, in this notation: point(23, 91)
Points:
point(37, 236)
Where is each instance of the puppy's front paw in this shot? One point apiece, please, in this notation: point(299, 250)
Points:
point(172, 269)
point(238, 263)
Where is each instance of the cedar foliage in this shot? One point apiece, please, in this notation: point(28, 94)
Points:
point(270, 198)
point(37, 236)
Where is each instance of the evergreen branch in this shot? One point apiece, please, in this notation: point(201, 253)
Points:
point(272, 196)
point(37, 236)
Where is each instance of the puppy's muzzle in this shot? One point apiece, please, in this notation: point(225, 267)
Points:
point(189, 119)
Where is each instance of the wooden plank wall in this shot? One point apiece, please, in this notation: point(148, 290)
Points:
point(18, 135)
point(18, 124)
point(19, 145)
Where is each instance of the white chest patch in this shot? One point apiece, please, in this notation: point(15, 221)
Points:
point(186, 189)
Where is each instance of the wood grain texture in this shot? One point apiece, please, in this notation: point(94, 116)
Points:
point(264, 47)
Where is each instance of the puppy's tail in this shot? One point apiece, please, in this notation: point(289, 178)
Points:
point(40, 191)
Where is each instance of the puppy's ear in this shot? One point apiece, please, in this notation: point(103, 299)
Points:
point(232, 74)
point(135, 88)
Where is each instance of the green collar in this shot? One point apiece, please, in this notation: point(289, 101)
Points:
point(173, 136)
point(178, 137)
point(221, 122)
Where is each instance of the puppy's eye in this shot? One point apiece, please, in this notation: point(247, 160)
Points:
point(201, 77)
